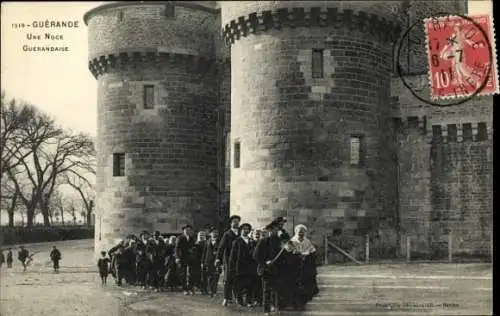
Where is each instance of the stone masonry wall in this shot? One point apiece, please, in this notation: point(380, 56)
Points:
point(446, 171)
point(170, 150)
point(224, 79)
point(295, 131)
point(414, 180)
point(144, 26)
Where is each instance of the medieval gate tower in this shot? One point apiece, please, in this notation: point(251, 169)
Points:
point(308, 79)
point(294, 99)
point(156, 66)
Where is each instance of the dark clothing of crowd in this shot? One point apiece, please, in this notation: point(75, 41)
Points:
point(256, 272)
point(25, 258)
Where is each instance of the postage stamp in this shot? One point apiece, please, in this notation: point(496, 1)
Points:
point(461, 56)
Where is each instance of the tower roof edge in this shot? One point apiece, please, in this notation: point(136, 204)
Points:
point(208, 6)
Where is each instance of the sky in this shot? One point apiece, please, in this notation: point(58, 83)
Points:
point(57, 82)
point(60, 83)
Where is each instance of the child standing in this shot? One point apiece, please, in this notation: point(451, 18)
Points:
point(9, 258)
point(103, 264)
point(55, 257)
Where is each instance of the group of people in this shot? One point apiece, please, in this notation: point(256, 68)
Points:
point(25, 257)
point(261, 267)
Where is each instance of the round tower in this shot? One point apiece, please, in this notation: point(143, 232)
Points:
point(310, 123)
point(157, 98)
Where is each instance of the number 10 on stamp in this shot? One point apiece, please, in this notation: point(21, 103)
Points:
point(461, 56)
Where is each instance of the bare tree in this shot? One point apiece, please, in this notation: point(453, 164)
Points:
point(9, 200)
point(86, 192)
point(64, 153)
point(72, 211)
point(27, 195)
point(25, 130)
point(35, 153)
point(22, 129)
point(73, 154)
point(59, 204)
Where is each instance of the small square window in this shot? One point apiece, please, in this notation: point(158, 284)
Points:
point(356, 145)
point(237, 153)
point(482, 132)
point(149, 96)
point(413, 122)
point(169, 10)
point(436, 133)
point(317, 63)
point(119, 165)
point(452, 132)
point(396, 124)
point(467, 132)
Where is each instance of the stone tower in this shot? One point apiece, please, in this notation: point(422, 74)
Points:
point(155, 63)
point(310, 132)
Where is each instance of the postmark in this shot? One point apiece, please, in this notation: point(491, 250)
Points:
point(419, 89)
point(460, 61)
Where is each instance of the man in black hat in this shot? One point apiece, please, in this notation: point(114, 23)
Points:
point(269, 257)
point(223, 256)
point(208, 261)
point(282, 233)
point(243, 266)
point(185, 257)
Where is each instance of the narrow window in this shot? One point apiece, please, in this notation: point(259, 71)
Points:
point(149, 96)
point(413, 122)
point(396, 123)
point(120, 16)
point(317, 63)
point(467, 132)
point(237, 153)
point(169, 11)
point(356, 150)
point(452, 132)
point(118, 165)
point(436, 133)
point(482, 132)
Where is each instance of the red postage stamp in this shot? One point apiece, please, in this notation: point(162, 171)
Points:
point(461, 56)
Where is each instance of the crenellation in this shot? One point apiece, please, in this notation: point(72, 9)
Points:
point(322, 17)
point(410, 124)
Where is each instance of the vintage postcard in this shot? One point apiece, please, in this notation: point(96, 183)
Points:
point(247, 157)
